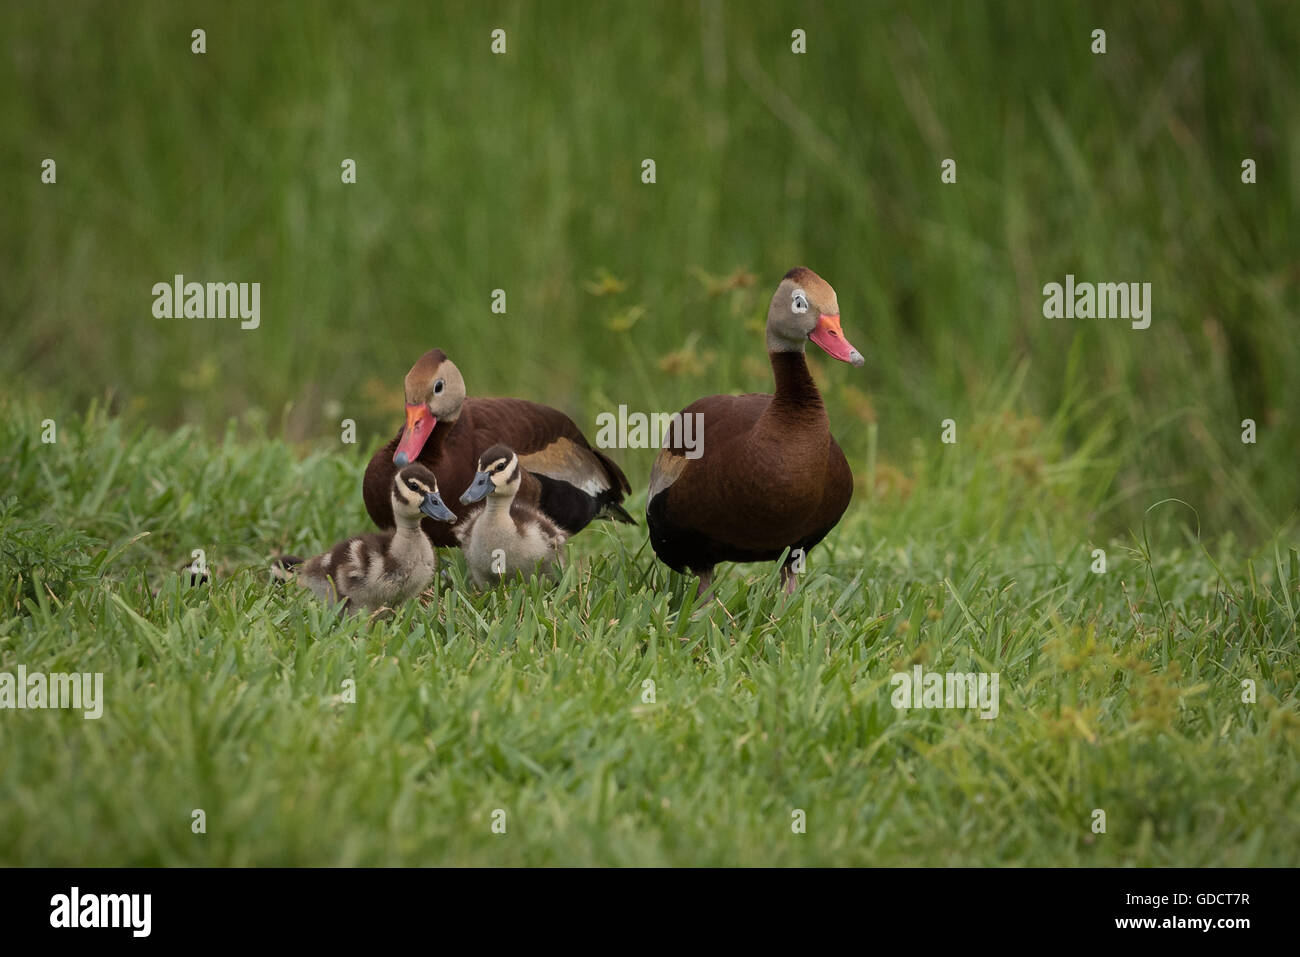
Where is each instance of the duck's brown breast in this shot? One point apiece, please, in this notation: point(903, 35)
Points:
point(770, 477)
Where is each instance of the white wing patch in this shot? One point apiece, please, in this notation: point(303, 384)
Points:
point(566, 461)
point(667, 469)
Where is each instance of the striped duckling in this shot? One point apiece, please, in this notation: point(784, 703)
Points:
point(383, 569)
point(506, 536)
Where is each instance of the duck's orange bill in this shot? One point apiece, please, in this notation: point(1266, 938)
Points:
point(830, 337)
point(419, 426)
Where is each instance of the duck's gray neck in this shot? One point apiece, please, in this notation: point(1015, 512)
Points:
point(403, 523)
point(409, 544)
point(778, 343)
point(497, 507)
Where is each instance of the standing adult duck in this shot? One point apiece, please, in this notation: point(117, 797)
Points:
point(768, 476)
point(566, 479)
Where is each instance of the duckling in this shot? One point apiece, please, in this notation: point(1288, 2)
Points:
point(383, 568)
point(506, 536)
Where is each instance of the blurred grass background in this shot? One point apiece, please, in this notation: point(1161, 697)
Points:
point(522, 172)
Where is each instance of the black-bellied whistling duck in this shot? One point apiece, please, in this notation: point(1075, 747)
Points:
point(570, 482)
point(769, 476)
point(380, 569)
point(506, 537)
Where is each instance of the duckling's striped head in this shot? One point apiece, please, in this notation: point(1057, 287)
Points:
point(805, 307)
point(415, 492)
point(498, 474)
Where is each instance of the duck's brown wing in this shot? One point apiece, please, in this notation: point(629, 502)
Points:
point(709, 424)
point(704, 467)
point(548, 443)
point(576, 483)
point(751, 494)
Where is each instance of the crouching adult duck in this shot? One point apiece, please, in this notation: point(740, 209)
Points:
point(769, 475)
point(566, 479)
point(380, 569)
point(505, 537)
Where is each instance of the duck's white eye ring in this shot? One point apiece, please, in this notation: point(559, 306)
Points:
point(799, 301)
point(437, 387)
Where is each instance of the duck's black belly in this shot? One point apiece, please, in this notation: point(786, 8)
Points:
point(682, 548)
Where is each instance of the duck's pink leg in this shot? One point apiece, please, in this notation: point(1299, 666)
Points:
point(789, 578)
point(706, 585)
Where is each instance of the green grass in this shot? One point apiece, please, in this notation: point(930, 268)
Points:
point(1120, 691)
point(228, 698)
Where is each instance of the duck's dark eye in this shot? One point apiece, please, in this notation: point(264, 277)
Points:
point(412, 486)
point(438, 387)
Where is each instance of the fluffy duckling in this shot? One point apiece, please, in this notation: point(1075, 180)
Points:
point(505, 537)
point(382, 569)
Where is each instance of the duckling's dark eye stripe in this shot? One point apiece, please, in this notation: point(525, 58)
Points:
point(414, 485)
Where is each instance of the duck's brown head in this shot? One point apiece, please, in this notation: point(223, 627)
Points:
point(804, 308)
point(415, 492)
point(498, 474)
point(435, 392)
